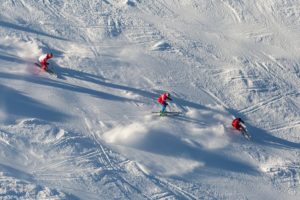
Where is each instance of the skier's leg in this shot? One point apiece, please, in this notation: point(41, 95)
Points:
point(44, 65)
point(243, 125)
point(163, 108)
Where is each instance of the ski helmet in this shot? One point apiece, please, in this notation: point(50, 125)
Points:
point(168, 94)
point(50, 55)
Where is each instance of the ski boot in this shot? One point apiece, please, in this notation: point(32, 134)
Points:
point(161, 113)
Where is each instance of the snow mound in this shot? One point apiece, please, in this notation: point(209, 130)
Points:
point(129, 135)
point(161, 46)
point(168, 145)
point(14, 188)
point(283, 173)
point(154, 142)
point(130, 2)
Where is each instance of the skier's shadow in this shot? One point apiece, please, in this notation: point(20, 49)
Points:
point(66, 86)
point(25, 28)
point(262, 137)
point(258, 135)
point(96, 79)
point(63, 72)
point(17, 104)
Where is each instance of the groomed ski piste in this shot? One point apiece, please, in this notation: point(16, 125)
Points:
point(90, 132)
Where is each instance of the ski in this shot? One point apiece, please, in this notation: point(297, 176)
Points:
point(245, 133)
point(168, 113)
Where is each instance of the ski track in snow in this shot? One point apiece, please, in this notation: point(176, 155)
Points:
point(90, 132)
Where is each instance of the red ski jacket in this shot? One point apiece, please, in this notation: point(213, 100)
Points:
point(236, 123)
point(162, 98)
point(43, 58)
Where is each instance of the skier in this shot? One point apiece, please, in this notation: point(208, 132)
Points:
point(43, 60)
point(162, 99)
point(238, 124)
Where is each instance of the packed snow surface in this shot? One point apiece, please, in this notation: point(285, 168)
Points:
point(92, 132)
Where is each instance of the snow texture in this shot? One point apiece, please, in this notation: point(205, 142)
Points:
point(91, 133)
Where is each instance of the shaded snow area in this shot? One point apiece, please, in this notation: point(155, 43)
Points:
point(94, 132)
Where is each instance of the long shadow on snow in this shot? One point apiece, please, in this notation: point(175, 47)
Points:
point(26, 29)
point(65, 86)
point(163, 143)
point(262, 137)
point(259, 135)
point(9, 58)
point(7, 48)
point(101, 81)
point(77, 74)
point(16, 173)
point(158, 144)
point(17, 104)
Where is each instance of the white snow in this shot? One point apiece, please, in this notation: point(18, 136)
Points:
point(91, 133)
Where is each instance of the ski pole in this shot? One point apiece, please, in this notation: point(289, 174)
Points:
point(170, 107)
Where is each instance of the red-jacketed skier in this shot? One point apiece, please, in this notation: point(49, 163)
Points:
point(43, 60)
point(238, 124)
point(162, 99)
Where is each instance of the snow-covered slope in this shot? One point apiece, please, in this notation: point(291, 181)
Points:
point(91, 133)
